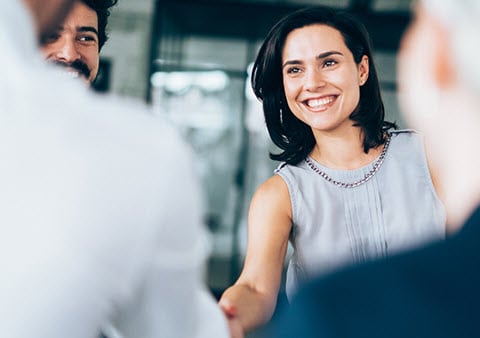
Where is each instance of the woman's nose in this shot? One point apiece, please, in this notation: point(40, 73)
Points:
point(314, 79)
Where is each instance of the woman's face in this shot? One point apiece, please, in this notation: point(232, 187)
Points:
point(321, 79)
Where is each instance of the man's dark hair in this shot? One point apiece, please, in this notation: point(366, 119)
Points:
point(287, 132)
point(102, 8)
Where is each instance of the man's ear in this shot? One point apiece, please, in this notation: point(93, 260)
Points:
point(442, 65)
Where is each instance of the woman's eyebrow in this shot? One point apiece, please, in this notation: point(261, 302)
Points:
point(319, 56)
point(327, 54)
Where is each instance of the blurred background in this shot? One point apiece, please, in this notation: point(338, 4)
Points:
point(190, 59)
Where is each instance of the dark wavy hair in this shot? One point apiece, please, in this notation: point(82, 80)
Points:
point(102, 8)
point(287, 132)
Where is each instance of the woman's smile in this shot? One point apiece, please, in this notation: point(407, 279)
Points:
point(320, 75)
point(321, 103)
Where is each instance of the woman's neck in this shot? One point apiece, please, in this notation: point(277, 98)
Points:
point(343, 150)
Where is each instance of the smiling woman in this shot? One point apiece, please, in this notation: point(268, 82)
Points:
point(350, 187)
point(322, 87)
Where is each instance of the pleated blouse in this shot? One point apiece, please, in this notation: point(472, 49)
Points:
point(333, 226)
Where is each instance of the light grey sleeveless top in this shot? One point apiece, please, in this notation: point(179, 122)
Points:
point(333, 226)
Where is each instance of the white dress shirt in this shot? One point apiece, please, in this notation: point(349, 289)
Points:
point(100, 214)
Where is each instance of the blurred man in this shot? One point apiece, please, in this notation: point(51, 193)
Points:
point(76, 43)
point(432, 292)
point(100, 214)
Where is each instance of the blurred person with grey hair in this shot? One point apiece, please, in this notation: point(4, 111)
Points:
point(432, 291)
point(100, 214)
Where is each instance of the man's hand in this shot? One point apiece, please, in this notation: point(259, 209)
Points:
point(234, 325)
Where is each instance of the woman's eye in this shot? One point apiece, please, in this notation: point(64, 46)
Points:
point(293, 70)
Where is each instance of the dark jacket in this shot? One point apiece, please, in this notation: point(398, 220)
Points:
point(429, 292)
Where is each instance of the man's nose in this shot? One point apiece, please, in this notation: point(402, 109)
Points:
point(67, 50)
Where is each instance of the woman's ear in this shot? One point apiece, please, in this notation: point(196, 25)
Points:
point(363, 69)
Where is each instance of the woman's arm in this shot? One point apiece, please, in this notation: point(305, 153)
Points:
point(251, 301)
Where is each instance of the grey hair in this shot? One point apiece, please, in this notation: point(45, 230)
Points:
point(462, 20)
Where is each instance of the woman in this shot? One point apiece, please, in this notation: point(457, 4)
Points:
point(349, 186)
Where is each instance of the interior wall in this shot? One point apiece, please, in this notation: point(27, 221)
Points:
point(128, 47)
point(225, 127)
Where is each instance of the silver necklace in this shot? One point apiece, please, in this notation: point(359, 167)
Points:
point(369, 175)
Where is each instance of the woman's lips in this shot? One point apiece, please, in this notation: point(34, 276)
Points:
point(321, 103)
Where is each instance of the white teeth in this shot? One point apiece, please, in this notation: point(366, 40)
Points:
point(73, 74)
point(315, 103)
point(70, 74)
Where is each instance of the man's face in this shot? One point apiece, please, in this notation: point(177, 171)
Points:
point(47, 14)
point(74, 45)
